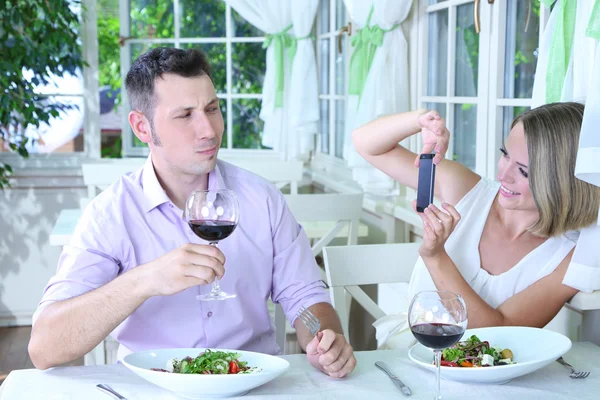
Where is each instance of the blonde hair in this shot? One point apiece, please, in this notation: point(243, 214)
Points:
point(564, 202)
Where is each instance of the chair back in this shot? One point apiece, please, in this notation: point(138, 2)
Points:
point(348, 267)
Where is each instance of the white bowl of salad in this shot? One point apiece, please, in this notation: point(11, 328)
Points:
point(204, 373)
point(496, 354)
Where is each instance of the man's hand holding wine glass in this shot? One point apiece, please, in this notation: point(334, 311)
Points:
point(187, 266)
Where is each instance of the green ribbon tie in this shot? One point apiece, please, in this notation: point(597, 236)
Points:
point(280, 41)
point(560, 47)
point(365, 43)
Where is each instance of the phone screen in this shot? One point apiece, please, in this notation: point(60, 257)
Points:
point(426, 181)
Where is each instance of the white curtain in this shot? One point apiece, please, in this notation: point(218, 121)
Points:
point(582, 84)
point(289, 124)
point(304, 95)
point(386, 89)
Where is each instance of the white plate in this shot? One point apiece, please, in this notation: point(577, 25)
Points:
point(532, 349)
point(196, 386)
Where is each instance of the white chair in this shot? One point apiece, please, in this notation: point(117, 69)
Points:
point(323, 217)
point(327, 216)
point(347, 267)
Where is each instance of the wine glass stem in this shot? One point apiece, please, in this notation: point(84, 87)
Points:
point(216, 288)
point(438, 360)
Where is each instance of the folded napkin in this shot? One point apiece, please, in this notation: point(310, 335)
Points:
point(393, 332)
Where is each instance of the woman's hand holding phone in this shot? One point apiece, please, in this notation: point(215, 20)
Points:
point(434, 134)
point(437, 227)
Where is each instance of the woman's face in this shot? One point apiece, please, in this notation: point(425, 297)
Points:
point(513, 172)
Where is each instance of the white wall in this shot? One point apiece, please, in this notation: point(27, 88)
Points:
point(28, 211)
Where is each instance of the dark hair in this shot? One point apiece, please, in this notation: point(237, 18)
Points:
point(564, 202)
point(152, 65)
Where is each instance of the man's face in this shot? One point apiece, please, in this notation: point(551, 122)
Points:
point(187, 124)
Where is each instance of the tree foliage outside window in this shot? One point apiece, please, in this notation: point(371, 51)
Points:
point(38, 39)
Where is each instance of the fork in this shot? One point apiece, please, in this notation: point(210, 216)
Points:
point(574, 374)
point(308, 318)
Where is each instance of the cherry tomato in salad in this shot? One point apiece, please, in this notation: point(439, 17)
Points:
point(445, 363)
point(233, 367)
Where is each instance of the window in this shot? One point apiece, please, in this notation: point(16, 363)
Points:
point(478, 81)
point(234, 48)
point(332, 63)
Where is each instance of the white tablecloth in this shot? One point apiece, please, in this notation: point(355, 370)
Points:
point(301, 381)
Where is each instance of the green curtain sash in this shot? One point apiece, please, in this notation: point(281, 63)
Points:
point(593, 28)
point(365, 43)
point(282, 42)
point(560, 47)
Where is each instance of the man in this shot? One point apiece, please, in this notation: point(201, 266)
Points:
point(133, 268)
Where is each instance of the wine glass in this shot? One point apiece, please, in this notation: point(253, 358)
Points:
point(438, 320)
point(213, 215)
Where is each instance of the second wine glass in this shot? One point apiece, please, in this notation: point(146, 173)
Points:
point(438, 320)
point(213, 215)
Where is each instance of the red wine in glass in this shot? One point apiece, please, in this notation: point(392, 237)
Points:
point(213, 216)
point(212, 230)
point(437, 336)
point(438, 320)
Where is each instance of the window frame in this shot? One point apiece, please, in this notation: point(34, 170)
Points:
point(490, 98)
point(329, 158)
point(129, 150)
point(91, 108)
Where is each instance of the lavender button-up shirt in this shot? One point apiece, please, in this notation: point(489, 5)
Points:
point(133, 222)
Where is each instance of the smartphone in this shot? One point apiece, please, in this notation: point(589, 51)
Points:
point(426, 181)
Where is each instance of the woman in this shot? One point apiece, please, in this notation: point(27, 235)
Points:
point(509, 255)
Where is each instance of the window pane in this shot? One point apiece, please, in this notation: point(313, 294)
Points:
point(508, 115)
point(109, 76)
point(204, 18)
point(241, 27)
point(110, 122)
point(249, 66)
point(216, 56)
point(323, 13)
point(438, 53)
point(522, 40)
point(340, 71)
point(223, 105)
point(325, 126)
point(151, 19)
point(247, 126)
point(467, 52)
point(324, 67)
point(464, 134)
point(340, 126)
point(137, 49)
point(439, 107)
point(340, 14)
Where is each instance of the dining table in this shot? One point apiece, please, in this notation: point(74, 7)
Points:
point(302, 381)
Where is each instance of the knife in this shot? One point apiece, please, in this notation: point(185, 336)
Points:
point(384, 367)
point(110, 391)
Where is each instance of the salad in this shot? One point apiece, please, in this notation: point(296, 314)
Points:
point(475, 353)
point(208, 363)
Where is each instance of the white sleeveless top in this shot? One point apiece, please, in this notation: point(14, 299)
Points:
point(463, 248)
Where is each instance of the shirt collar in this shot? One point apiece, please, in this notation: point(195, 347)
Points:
point(156, 195)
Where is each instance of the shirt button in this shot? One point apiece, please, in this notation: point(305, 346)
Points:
point(210, 314)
